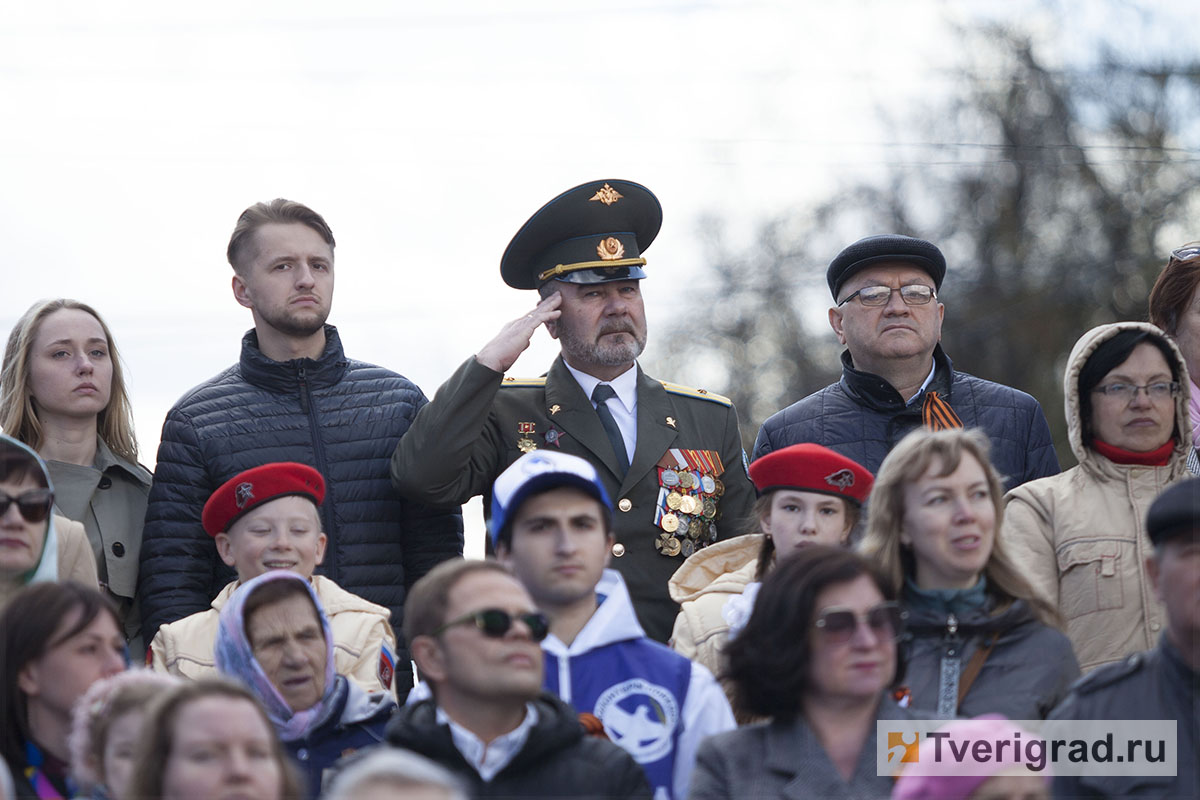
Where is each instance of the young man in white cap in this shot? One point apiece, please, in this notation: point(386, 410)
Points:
point(267, 518)
point(551, 524)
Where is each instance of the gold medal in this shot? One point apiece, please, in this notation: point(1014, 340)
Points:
point(688, 505)
point(686, 480)
point(710, 509)
point(718, 487)
point(526, 445)
point(669, 523)
point(674, 501)
point(671, 547)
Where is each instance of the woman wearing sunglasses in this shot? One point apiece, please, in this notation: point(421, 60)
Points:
point(62, 392)
point(1080, 536)
point(35, 545)
point(275, 638)
point(808, 494)
point(1175, 307)
point(817, 655)
point(979, 640)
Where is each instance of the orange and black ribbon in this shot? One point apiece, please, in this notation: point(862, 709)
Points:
point(937, 415)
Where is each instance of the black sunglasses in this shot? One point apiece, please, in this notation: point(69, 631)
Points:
point(34, 504)
point(885, 620)
point(495, 623)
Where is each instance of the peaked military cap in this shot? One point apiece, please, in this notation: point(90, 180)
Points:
point(885, 247)
point(594, 233)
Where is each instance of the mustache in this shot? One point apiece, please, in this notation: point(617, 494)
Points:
point(617, 327)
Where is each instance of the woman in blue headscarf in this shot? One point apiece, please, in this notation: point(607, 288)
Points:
point(274, 637)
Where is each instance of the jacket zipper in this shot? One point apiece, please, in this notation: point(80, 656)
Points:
point(307, 406)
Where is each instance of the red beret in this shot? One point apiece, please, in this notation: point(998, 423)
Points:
point(812, 468)
point(256, 486)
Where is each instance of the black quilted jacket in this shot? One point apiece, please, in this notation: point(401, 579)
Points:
point(862, 417)
point(342, 417)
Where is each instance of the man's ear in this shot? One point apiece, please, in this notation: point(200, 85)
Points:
point(240, 292)
point(1152, 572)
point(225, 548)
point(431, 661)
point(552, 328)
point(835, 322)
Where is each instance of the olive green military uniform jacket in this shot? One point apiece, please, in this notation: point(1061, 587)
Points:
point(480, 422)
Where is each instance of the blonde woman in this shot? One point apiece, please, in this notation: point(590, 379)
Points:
point(979, 640)
point(62, 392)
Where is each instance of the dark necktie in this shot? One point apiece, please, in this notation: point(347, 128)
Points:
point(600, 396)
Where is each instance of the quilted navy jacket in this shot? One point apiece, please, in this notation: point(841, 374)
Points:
point(341, 416)
point(863, 417)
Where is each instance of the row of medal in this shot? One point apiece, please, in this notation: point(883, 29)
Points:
point(687, 501)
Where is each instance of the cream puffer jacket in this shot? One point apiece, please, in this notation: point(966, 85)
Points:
point(1080, 538)
point(701, 586)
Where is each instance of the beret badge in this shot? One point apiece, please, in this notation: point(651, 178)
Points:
point(243, 494)
point(842, 479)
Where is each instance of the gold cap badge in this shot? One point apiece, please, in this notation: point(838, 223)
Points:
point(610, 249)
point(607, 195)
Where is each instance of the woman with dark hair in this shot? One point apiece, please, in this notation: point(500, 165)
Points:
point(58, 639)
point(808, 494)
point(1080, 536)
point(274, 636)
point(979, 639)
point(818, 654)
point(1175, 307)
point(207, 740)
point(62, 392)
point(35, 545)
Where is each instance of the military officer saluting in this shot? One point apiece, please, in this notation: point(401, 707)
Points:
point(671, 457)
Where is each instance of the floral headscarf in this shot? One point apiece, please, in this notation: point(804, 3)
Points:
point(46, 568)
point(236, 658)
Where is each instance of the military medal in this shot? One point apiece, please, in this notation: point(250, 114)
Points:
point(684, 526)
point(668, 478)
point(688, 548)
point(686, 480)
point(667, 544)
point(669, 523)
point(554, 437)
point(674, 500)
point(708, 483)
point(526, 444)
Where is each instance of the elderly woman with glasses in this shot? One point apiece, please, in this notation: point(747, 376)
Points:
point(818, 655)
point(275, 638)
point(979, 640)
point(1080, 536)
point(1175, 307)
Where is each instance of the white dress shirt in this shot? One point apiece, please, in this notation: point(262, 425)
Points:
point(623, 406)
point(488, 758)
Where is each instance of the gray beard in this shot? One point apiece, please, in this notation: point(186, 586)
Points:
point(603, 355)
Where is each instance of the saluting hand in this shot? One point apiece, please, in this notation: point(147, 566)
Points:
point(501, 352)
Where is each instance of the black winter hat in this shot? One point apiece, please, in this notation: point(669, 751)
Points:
point(1175, 512)
point(885, 247)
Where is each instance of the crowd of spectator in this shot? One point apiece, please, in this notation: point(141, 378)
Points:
point(291, 574)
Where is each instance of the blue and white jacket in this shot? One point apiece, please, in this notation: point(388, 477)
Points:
point(653, 702)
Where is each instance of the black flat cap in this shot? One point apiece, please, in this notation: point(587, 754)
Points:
point(1175, 512)
point(594, 233)
point(885, 247)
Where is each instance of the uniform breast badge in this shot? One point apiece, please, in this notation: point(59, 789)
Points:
point(688, 508)
point(526, 444)
point(554, 437)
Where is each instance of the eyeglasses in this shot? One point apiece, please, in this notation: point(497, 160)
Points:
point(1186, 253)
point(915, 294)
point(1127, 391)
point(34, 505)
point(495, 623)
point(885, 620)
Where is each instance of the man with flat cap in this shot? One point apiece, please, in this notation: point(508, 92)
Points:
point(895, 375)
point(669, 456)
point(1159, 684)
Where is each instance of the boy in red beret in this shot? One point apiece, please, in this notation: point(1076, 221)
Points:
point(266, 518)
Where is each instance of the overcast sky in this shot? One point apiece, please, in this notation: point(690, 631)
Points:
point(426, 133)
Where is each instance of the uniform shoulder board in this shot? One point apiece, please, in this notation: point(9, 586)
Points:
point(703, 394)
point(523, 381)
point(1110, 674)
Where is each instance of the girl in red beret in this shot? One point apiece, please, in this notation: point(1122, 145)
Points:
point(808, 494)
